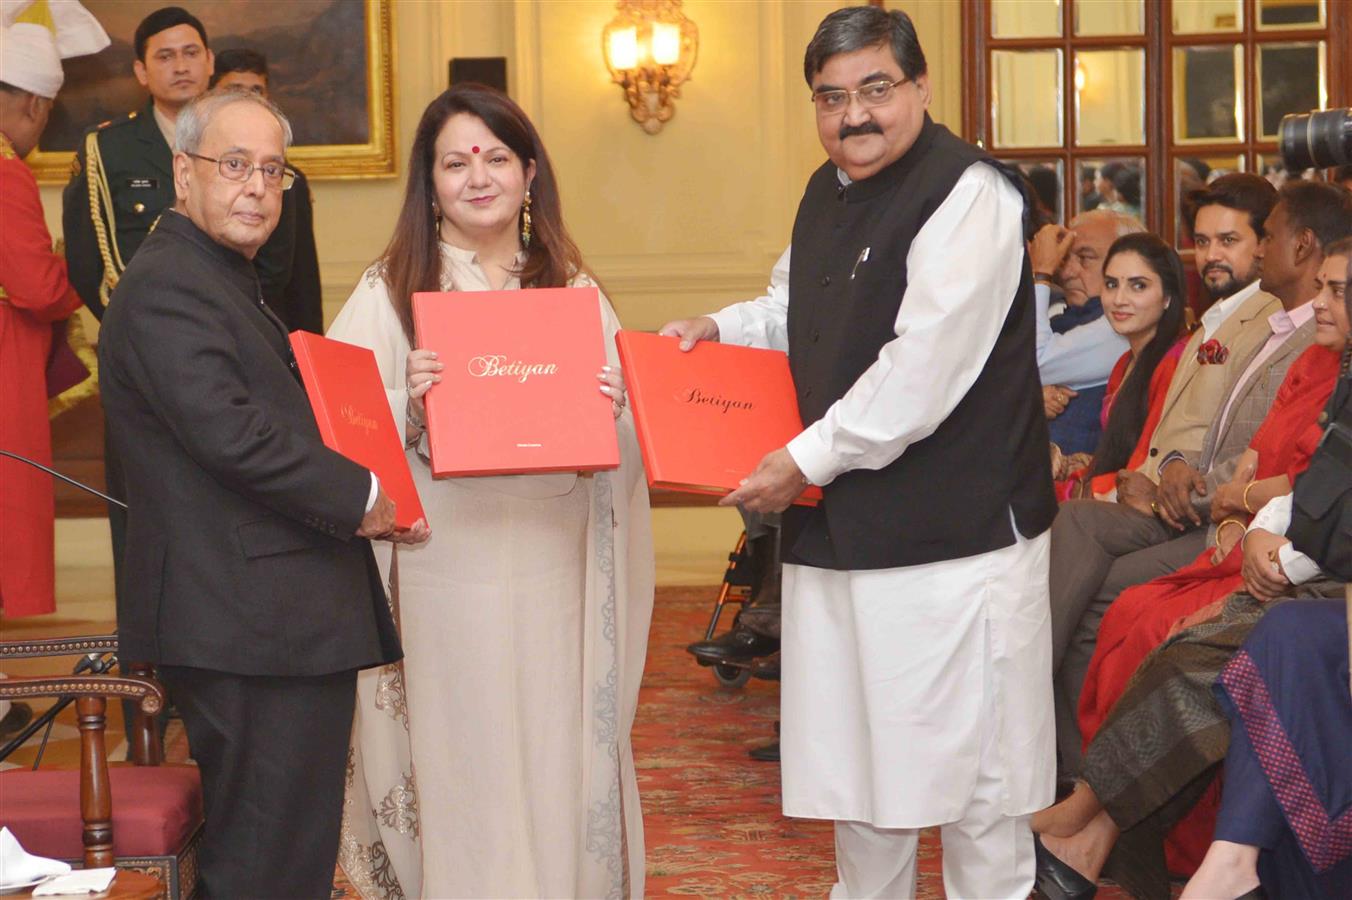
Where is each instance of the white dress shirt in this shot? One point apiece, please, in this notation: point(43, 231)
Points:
point(1222, 309)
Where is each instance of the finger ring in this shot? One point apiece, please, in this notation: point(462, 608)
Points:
point(1155, 507)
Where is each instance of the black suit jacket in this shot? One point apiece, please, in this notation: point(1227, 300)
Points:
point(240, 550)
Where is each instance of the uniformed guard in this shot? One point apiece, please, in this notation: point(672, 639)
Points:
point(122, 177)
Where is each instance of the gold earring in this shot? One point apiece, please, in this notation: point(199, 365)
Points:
point(436, 213)
point(525, 221)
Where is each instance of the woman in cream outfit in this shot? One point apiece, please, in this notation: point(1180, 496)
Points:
point(495, 761)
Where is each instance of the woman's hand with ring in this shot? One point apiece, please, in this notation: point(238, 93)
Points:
point(420, 373)
point(612, 385)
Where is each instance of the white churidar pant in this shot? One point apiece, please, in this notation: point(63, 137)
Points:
point(921, 696)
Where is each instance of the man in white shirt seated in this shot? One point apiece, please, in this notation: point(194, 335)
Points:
point(1077, 347)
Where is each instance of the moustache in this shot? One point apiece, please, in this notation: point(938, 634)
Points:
point(1218, 267)
point(866, 128)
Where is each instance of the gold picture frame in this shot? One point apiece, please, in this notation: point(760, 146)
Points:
point(375, 156)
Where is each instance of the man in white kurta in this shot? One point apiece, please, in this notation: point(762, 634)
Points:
point(916, 695)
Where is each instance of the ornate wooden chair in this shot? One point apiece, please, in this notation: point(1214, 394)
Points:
point(144, 817)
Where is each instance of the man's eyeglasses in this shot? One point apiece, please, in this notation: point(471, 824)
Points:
point(237, 168)
point(875, 93)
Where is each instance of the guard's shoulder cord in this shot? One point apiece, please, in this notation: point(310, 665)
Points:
point(100, 195)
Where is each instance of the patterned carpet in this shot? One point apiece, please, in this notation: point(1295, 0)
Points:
point(712, 819)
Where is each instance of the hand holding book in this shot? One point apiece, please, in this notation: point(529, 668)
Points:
point(772, 487)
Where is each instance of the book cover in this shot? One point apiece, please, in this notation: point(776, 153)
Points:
point(348, 399)
point(518, 394)
point(706, 417)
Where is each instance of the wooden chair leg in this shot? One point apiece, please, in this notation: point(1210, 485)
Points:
point(146, 747)
point(96, 802)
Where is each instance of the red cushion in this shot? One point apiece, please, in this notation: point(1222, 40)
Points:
point(155, 809)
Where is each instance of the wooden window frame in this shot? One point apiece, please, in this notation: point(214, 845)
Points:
point(1159, 205)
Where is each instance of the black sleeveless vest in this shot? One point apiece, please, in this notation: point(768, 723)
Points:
point(1321, 510)
point(947, 496)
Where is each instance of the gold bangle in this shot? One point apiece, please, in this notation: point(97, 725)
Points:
point(1245, 498)
point(1229, 521)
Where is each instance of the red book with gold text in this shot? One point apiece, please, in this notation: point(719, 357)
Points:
point(707, 416)
point(518, 394)
point(348, 399)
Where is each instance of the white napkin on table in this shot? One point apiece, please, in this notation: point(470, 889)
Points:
point(81, 881)
point(18, 866)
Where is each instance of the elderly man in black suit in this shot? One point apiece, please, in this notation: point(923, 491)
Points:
point(248, 579)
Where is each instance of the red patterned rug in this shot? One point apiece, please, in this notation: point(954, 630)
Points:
point(711, 814)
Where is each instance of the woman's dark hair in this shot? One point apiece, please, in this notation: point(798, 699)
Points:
point(412, 261)
point(859, 27)
point(1131, 407)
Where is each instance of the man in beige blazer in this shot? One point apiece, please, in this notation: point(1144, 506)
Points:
point(1099, 549)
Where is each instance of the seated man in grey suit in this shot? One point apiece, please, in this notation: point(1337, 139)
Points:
point(248, 577)
point(1100, 549)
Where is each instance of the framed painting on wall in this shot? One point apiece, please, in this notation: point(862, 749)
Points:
point(330, 66)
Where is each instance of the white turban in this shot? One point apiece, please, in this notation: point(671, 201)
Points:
point(35, 35)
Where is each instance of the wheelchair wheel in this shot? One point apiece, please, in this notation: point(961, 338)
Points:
point(731, 676)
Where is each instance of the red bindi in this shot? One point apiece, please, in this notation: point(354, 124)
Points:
point(475, 148)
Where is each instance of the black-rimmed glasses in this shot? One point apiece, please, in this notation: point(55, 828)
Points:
point(237, 168)
point(875, 93)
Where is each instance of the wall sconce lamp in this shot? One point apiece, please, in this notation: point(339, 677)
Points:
point(650, 48)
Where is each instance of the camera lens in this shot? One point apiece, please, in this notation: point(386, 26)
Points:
point(1317, 139)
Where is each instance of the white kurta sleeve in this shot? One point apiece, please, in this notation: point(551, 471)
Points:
point(964, 268)
point(762, 322)
point(1275, 517)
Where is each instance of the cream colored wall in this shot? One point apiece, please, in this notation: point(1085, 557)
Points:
point(675, 224)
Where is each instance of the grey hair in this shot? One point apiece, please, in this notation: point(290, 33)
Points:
point(194, 118)
point(860, 27)
point(1123, 223)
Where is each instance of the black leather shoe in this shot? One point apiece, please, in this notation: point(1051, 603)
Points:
point(738, 645)
point(1058, 881)
point(768, 753)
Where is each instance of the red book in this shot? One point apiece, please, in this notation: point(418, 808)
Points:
point(708, 416)
point(518, 394)
point(348, 399)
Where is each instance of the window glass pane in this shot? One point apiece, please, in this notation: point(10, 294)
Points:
point(1117, 184)
point(1207, 16)
point(1290, 13)
point(1271, 167)
point(1097, 17)
point(1109, 97)
point(1208, 93)
point(1026, 108)
point(1193, 173)
point(1025, 18)
point(1048, 179)
point(1290, 80)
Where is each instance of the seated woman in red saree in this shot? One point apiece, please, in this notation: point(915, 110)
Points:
point(1144, 301)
